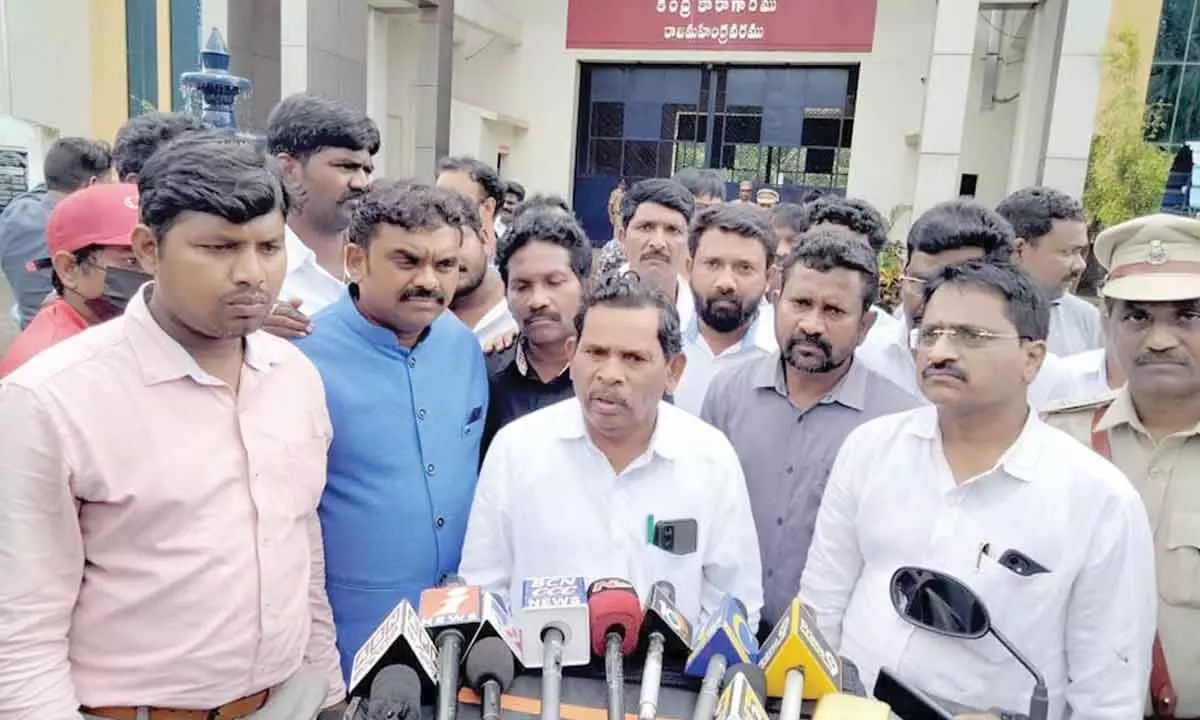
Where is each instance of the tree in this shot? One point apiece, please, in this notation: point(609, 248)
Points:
point(1126, 175)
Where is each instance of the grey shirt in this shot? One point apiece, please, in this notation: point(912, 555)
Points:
point(787, 453)
point(1075, 326)
point(22, 239)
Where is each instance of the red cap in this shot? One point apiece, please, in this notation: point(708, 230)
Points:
point(103, 214)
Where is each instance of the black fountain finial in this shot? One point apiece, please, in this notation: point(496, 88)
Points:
point(217, 87)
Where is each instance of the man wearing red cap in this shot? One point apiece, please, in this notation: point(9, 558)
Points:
point(94, 271)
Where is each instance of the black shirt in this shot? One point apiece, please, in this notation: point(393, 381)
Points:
point(515, 390)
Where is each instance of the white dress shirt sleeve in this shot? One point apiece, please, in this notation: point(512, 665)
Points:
point(41, 561)
point(732, 564)
point(835, 559)
point(321, 652)
point(1111, 619)
point(487, 557)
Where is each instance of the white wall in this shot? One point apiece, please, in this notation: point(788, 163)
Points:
point(34, 139)
point(988, 134)
point(43, 44)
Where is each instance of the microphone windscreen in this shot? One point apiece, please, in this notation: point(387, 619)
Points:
point(490, 659)
point(613, 604)
point(395, 693)
point(754, 675)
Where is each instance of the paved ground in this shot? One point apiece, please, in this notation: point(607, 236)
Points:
point(8, 328)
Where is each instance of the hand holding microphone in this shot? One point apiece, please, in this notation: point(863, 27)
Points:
point(664, 630)
point(615, 617)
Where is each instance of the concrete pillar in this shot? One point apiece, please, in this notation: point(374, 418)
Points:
point(1076, 90)
point(324, 49)
point(946, 96)
point(425, 97)
point(1037, 88)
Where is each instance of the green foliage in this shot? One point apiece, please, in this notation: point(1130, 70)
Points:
point(1126, 175)
point(891, 263)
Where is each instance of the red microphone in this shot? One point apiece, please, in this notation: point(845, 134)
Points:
point(615, 618)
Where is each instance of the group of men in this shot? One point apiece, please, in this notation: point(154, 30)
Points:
point(287, 424)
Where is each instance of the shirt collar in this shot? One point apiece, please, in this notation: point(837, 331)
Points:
point(523, 366)
point(850, 391)
point(346, 309)
point(162, 359)
point(1021, 460)
point(760, 334)
point(1122, 412)
point(665, 441)
point(298, 254)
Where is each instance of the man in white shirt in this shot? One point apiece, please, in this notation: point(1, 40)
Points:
point(1052, 537)
point(731, 248)
point(514, 195)
point(479, 302)
point(325, 148)
point(655, 215)
point(1052, 246)
point(580, 487)
point(949, 233)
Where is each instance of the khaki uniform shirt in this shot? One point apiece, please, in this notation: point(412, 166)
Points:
point(1167, 475)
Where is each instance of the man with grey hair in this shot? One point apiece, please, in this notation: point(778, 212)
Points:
point(788, 412)
point(630, 458)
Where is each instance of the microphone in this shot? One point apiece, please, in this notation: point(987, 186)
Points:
point(742, 697)
point(490, 670)
point(909, 702)
point(839, 706)
point(554, 629)
point(452, 616)
point(615, 617)
point(395, 694)
point(725, 637)
point(664, 630)
point(399, 640)
point(796, 649)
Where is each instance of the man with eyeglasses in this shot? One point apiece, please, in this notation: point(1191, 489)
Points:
point(1051, 536)
point(949, 233)
point(1150, 427)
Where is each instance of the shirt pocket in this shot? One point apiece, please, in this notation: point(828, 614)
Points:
point(1179, 564)
point(1018, 606)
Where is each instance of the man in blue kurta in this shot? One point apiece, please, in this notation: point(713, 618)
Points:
point(407, 391)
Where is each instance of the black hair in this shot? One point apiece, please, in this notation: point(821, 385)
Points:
point(549, 227)
point(482, 174)
point(81, 256)
point(814, 194)
point(209, 172)
point(73, 161)
point(749, 221)
point(468, 212)
point(1032, 211)
point(857, 215)
point(668, 193)
point(1024, 305)
point(628, 292)
point(142, 135)
point(829, 248)
point(543, 202)
point(791, 216)
point(957, 224)
point(304, 124)
point(702, 181)
point(411, 206)
point(512, 187)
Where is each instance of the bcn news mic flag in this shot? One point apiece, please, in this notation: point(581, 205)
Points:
point(399, 640)
point(797, 644)
point(554, 632)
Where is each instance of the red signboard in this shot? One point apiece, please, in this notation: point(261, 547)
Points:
point(794, 25)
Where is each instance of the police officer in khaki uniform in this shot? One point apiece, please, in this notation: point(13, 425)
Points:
point(1150, 428)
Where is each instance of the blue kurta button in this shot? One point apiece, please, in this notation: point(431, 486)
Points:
point(430, 469)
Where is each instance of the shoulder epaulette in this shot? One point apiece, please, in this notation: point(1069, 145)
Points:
point(1075, 404)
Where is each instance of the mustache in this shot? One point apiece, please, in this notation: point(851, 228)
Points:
point(814, 339)
point(945, 369)
point(656, 253)
point(253, 297)
point(414, 293)
point(351, 195)
point(544, 315)
point(1153, 358)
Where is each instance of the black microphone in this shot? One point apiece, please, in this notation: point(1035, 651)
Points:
point(452, 614)
point(664, 630)
point(400, 639)
point(490, 670)
point(395, 694)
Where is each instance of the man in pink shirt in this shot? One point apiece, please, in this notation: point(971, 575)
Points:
point(159, 546)
point(93, 270)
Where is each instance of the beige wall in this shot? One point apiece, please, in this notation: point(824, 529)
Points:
point(1142, 16)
